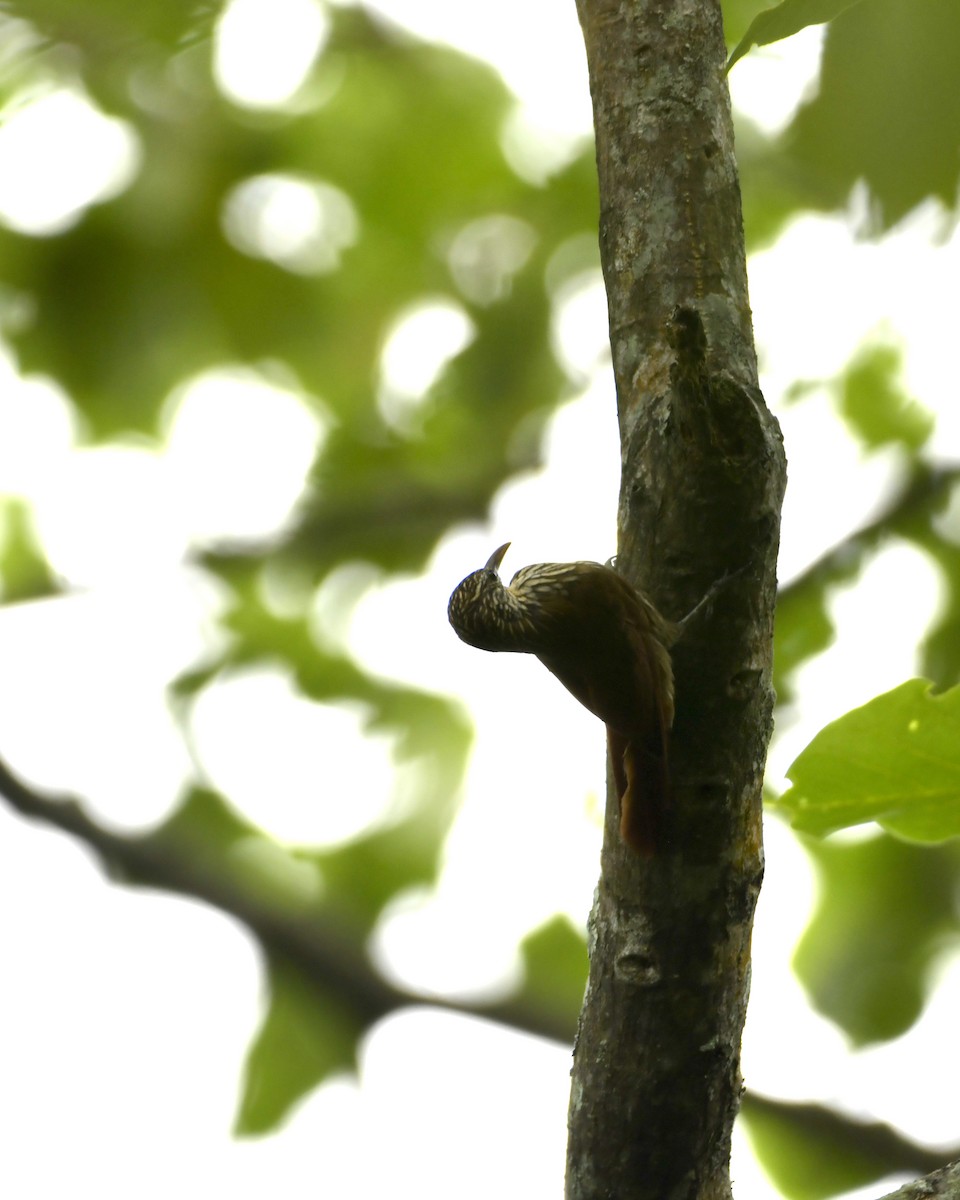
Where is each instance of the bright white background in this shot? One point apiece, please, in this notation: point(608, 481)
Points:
point(124, 1017)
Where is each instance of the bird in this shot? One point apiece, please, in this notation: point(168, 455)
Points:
point(608, 645)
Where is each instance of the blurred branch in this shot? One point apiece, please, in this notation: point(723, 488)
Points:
point(322, 948)
point(361, 527)
point(924, 491)
point(874, 1140)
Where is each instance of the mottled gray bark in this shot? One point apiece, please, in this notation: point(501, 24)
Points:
point(943, 1184)
point(656, 1079)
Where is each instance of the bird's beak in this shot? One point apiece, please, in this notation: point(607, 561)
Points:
point(496, 558)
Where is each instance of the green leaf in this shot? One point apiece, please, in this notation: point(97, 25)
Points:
point(204, 817)
point(111, 25)
point(887, 109)
point(737, 15)
point(941, 647)
point(811, 1153)
point(806, 1164)
point(884, 911)
point(803, 628)
point(874, 406)
point(773, 190)
point(784, 20)
point(555, 969)
point(305, 1037)
point(896, 761)
point(25, 573)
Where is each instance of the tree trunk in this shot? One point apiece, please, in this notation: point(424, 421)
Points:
point(656, 1078)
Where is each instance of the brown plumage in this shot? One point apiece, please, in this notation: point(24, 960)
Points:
point(608, 645)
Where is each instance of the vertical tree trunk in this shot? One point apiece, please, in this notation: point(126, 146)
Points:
point(656, 1077)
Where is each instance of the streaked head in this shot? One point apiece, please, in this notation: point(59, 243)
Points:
point(482, 611)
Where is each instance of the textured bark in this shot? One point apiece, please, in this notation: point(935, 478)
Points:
point(943, 1184)
point(656, 1079)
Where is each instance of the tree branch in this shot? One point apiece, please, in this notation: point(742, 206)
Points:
point(326, 955)
point(874, 1141)
point(656, 1070)
point(944, 1183)
point(323, 948)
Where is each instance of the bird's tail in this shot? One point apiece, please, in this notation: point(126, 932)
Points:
point(643, 786)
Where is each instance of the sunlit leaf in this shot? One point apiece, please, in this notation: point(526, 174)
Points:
point(875, 407)
point(306, 1036)
point(738, 15)
point(896, 761)
point(25, 573)
point(785, 19)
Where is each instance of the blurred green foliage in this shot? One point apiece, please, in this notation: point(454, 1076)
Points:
point(809, 1153)
point(307, 1035)
point(809, 1165)
point(555, 970)
point(885, 915)
point(887, 111)
point(24, 571)
point(873, 405)
point(155, 285)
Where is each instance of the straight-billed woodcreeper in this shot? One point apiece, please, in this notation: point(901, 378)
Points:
point(608, 645)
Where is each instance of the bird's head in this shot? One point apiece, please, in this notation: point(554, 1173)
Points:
point(483, 612)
